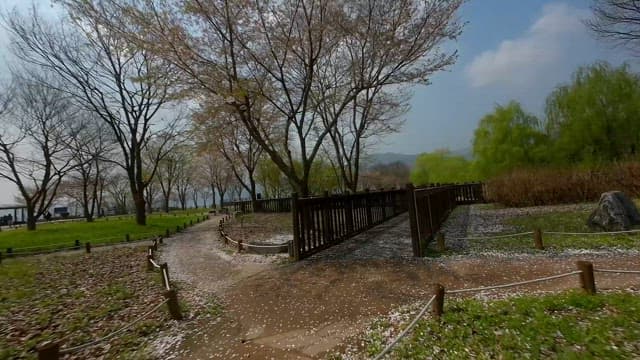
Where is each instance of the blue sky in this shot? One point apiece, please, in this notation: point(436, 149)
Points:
point(510, 49)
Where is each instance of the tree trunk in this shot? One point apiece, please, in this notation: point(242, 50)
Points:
point(141, 215)
point(31, 218)
point(222, 199)
point(213, 196)
point(166, 204)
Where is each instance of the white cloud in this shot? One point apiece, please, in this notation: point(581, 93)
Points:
point(521, 60)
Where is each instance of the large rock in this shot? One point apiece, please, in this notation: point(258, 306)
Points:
point(615, 212)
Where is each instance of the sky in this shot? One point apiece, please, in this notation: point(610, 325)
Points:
point(509, 50)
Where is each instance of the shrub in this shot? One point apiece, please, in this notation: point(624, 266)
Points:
point(548, 186)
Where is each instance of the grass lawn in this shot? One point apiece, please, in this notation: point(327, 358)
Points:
point(571, 221)
point(570, 325)
point(102, 231)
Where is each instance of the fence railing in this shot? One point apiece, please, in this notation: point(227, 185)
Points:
point(430, 206)
point(279, 205)
point(321, 222)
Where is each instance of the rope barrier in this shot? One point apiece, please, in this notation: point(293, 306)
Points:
point(592, 233)
point(460, 291)
point(617, 271)
point(117, 332)
point(155, 264)
point(406, 330)
point(494, 237)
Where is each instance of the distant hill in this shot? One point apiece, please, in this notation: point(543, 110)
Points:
point(409, 159)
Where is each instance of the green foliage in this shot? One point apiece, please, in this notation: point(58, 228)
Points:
point(441, 166)
point(270, 178)
point(507, 138)
point(567, 326)
point(594, 119)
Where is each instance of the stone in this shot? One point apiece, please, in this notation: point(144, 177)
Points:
point(615, 212)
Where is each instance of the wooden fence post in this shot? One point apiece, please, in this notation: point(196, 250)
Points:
point(76, 244)
point(0, 257)
point(296, 226)
point(173, 304)
point(87, 247)
point(9, 252)
point(166, 233)
point(326, 221)
point(413, 221)
point(127, 238)
point(349, 214)
point(440, 241)
point(367, 206)
point(438, 303)
point(537, 239)
point(587, 280)
point(240, 245)
point(49, 351)
point(177, 228)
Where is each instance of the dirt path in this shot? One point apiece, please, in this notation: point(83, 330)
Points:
point(304, 310)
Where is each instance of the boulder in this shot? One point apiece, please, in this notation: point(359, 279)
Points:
point(615, 212)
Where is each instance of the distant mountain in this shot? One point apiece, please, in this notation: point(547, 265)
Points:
point(386, 158)
point(409, 159)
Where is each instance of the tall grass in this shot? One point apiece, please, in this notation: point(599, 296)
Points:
point(549, 186)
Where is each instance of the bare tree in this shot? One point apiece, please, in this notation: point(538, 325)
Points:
point(617, 21)
point(288, 56)
point(241, 152)
point(170, 170)
point(33, 143)
point(118, 189)
point(90, 146)
point(124, 86)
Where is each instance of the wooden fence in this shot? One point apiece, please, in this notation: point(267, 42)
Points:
point(429, 207)
point(321, 222)
point(280, 205)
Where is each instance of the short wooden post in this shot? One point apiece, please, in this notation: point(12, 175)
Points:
point(160, 239)
point(127, 237)
point(149, 264)
point(190, 222)
point(76, 244)
point(537, 239)
point(167, 233)
point(9, 252)
point(587, 280)
point(173, 305)
point(49, 351)
point(0, 257)
point(164, 270)
point(184, 225)
point(440, 241)
point(239, 245)
point(438, 303)
point(177, 228)
point(87, 247)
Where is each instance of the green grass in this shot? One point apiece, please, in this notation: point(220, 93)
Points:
point(101, 231)
point(565, 326)
point(570, 221)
